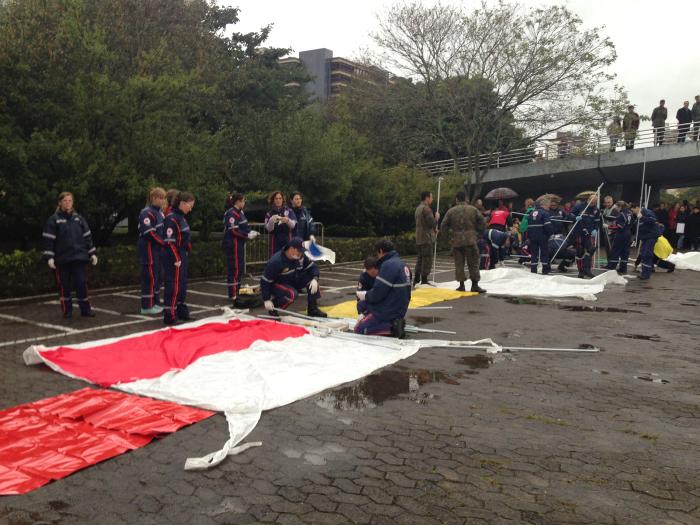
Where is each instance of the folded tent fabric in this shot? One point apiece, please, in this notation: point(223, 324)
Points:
point(686, 261)
point(52, 438)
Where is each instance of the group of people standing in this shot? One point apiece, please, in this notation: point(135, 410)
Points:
point(627, 128)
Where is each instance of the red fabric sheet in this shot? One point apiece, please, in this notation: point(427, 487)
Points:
point(152, 355)
point(54, 437)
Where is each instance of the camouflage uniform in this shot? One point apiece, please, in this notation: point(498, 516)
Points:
point(658, 121)
point(466, 224)
point(425, 237)
point(630, 125)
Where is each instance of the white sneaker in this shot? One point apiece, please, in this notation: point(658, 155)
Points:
point(154, 310)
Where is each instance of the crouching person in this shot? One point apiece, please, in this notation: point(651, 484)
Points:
point(385, 305)
point(287, 273)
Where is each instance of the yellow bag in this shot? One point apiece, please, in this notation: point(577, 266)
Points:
point(662, 248)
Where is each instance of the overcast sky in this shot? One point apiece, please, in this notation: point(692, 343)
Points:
point(655, 59)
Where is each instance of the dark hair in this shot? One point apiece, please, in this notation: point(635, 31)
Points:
point(182, 196)
point(425, 194)
point(461, 196)
point(271, 197)
point(171, 196)
point(294, 194)
point(370, 262)
point(384, 245)
point(232, 199)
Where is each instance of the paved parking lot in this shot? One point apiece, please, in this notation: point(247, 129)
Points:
point(447, 436)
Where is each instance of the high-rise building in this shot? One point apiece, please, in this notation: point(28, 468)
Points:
point(330, 75)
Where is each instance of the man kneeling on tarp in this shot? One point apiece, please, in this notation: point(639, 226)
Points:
point(287, 273)
point(384, 307)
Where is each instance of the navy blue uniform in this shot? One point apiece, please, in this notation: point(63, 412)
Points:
point(492, 248)
point(620, 251)
point(177, 249)
point(280, 233)
point(557, 217)
point(388, 299)
point(284, 278)
point(539, 228)
point(305, 226)
point(565, 253)
point(236, 230)
point(648, 233)
point(364, 284)
point(68, 241)
point(150, 247)
point(583, 235)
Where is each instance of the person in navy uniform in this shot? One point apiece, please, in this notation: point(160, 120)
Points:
point(586, 223)
point(366, 282)
point(237, 233)
point(648, 233)
point(280, 222)
point(305, 226)
point(621, 234)
point(287, 273)
point(68, 247)
point(178, 247)
point(539, 228)
point(387, 301)
point(150, 246)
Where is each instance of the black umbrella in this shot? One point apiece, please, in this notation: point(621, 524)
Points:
point(500, 194)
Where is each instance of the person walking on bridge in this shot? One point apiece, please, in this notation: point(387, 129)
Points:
point(658, 121)
point(465, 224)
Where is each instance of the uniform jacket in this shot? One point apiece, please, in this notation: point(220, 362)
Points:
point(496, 238)
point(289, 272)
point(692, 227)
point(281, 232)
point(425, 224)
point(465, 224)
point(539, 224)
point(696, 112)
point(623, 222)
point(236, 228)
point(177, 235)
point(557, 225)
point(389, 297)
point(590, 220)
point(659, 116)
point(499, 217)
point(647, 225)
point(67, 238)
point(630, 122)
point(305, 226)
point(365, 282)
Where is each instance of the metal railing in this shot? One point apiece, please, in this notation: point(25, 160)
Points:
point(257, 251)
point(568, 147)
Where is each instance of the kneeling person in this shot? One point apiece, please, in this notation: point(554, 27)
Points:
point(287, 272)
point(386, 304)
point(366, 282)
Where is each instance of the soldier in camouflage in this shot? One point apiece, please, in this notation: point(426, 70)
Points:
point(426, 232)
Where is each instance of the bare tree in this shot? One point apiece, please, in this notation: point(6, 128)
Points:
point(547, 72)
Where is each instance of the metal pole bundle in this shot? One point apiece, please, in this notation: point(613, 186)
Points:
point(574, 227)
point(437, 209)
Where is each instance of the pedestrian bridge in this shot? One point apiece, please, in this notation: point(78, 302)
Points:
point(569, 167)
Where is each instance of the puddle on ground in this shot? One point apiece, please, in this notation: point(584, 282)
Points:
point(652, 378)
point(574, 307)
point(642, 337)
point(476, 361)
point(374, 389)
point(689, 304)
point(685, 321)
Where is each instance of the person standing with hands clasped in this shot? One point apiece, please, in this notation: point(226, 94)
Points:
point(176, 259)
point(236, 233)
point(67, 249)
point(150, 246)
point(280, 222)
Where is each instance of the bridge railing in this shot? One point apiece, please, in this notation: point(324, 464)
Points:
point(569, 147)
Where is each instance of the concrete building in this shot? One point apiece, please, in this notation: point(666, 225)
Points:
point(330, 75)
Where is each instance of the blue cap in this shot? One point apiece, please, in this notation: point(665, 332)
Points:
point(295, 242)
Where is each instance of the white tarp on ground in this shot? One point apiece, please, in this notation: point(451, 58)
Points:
point(266, 375)
point(686, 261)
point(518, 282)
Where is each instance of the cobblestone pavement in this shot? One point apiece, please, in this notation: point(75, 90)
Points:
point(447, 436)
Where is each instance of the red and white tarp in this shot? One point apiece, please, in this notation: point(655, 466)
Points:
point(52, 438)
point(238, 365)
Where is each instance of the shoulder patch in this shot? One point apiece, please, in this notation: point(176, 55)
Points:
point(147, 221)
point(169, 232)
point(231, 220)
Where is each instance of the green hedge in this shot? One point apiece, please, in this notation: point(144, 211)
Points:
point(24, 273)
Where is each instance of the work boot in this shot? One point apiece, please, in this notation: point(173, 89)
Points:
point(581, 275)
point(476, 288)
point(562, 268)
point(416, 280)
point(68, 314)
point(314, 310)
point(424, 279)
point(461, 287)
point(88, 313)
point(588, 273)
point(398, 328)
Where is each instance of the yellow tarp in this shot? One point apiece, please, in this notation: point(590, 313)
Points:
point(419, 297)
point(663, 248)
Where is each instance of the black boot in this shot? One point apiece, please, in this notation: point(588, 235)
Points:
point(476, 288)
point(398, 328)
point(461, 287)
point(314, 310)
point(424, 279)
point(562, 267)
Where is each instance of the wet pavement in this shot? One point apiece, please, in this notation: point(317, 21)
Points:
point(447, 436)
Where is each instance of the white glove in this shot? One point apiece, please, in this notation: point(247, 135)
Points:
point(253, 235)
point(312, 239)
point(639, 215)
point(178, 263)
point(313, 286)
point(93, 260)
point(361, 295)
point(52, 264)
point(269, 306)
point(437, 216)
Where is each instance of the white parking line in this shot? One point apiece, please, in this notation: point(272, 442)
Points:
point(95, 328)
point(63, 329)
